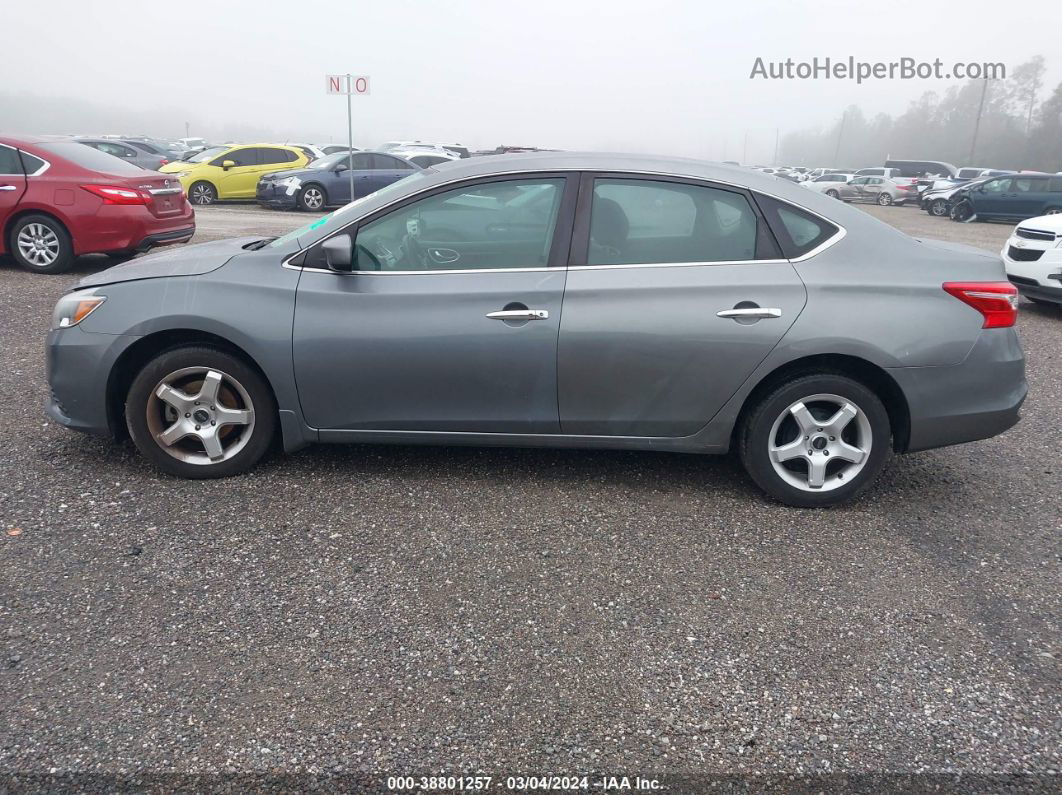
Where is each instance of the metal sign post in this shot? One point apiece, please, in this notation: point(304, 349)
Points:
point(349, 84)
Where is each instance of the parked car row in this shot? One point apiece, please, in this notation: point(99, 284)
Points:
point(60, 198)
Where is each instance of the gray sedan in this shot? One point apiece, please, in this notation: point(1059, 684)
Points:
point(880, 190)
point(555, 299)
point(126, 151)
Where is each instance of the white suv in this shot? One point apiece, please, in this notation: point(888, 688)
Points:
point(1033, 258)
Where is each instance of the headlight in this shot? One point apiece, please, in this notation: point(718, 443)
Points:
point(182, 174)
point(285, 181)
point(75, 307)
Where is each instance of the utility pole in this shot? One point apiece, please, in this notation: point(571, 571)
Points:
point(186, 135)
point(745, 149)
point(840, 134)
point(777, 134)
point(977, 121)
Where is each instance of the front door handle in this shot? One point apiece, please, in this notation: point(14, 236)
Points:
point(751, 312)
point(519, 314)
point(7, 187)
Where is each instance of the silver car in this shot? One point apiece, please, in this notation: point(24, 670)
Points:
point(555, 299)
point(880, 190)
point(127, 151)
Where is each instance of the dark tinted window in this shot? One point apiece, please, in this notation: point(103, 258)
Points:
point(1055, 186)
point(269, 155)
point(9, 162)
point(151, 150)
point(362, 162)
point(797, 230)
point(647, 221)
point(241, 157)
point(117, 150)
point(30, 163)
point(1029, 184)
point(388, 163)
point(92, 159)
point(424, 161)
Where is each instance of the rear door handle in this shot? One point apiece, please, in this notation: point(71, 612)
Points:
point(519, 314)
point(751, 311)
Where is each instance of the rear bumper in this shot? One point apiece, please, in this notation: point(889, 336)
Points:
point(165, 238)
point(127, 228)
point(977, 399)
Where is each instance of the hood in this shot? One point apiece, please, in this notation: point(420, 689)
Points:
point(191, 260)
point(177, 165)
point(1048, 223)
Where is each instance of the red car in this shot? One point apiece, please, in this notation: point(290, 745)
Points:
point(60, 199)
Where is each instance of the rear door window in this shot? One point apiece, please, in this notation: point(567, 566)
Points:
point(362, 162)
point(9, 162)
point(270, 155)
point(635, 221)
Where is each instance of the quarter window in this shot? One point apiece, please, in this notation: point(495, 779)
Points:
point(31, 163)
point(635, 222)
point(268, 156)
point(797, 230)
point(507, 224)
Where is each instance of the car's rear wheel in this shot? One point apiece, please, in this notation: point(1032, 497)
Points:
point(202, 193)
point(938, 207)
point(816, 441)
point(41, 244)
point(833, 194)
point(199, 412)
point(884, 199)
point(313, 198)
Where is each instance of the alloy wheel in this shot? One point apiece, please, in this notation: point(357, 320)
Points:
point(38, 244)
point(313, 199)
point(939, 208)
point(202, 194)
point(820, 443)
point(200, 415)
point(884, 199)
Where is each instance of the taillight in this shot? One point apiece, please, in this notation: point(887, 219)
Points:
point(996, 301)
point(164, 162)
point(113, 194)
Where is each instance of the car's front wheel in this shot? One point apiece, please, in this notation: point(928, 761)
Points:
point(202, 193)
point(199, 412)
point(833, 194)
point(816, 441)
point(939, 208)
point(884, 199)
point(313, 198)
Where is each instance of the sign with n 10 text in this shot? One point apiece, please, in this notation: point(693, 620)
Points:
point(348, 84)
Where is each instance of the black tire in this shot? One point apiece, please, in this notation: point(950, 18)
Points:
point(53, 233)
point(1053, 211)
point(833, 194)
point(754, 440)
point(141, 402)
point(202, 193)
point(309, 197)
point(938, 208)
point(961, 212)
point(884, 199)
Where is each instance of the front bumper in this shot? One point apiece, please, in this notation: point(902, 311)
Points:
point(79, 366)
point(278, 197)
point(979, 398)
point(1039, 277)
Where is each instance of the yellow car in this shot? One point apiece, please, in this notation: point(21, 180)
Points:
point(232, 172)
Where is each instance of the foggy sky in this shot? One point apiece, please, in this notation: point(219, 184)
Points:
point(669, 76)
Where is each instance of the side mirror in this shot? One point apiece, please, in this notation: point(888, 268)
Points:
point(339, 253)
point(340, 167)
point(227, 164)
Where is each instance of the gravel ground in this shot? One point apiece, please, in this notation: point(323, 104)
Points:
point(404, 610)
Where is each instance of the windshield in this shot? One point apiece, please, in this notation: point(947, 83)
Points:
point(346, 213)
point(331, 161)
point(208, 154)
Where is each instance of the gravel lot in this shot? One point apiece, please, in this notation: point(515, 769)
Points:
point(397, 610)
